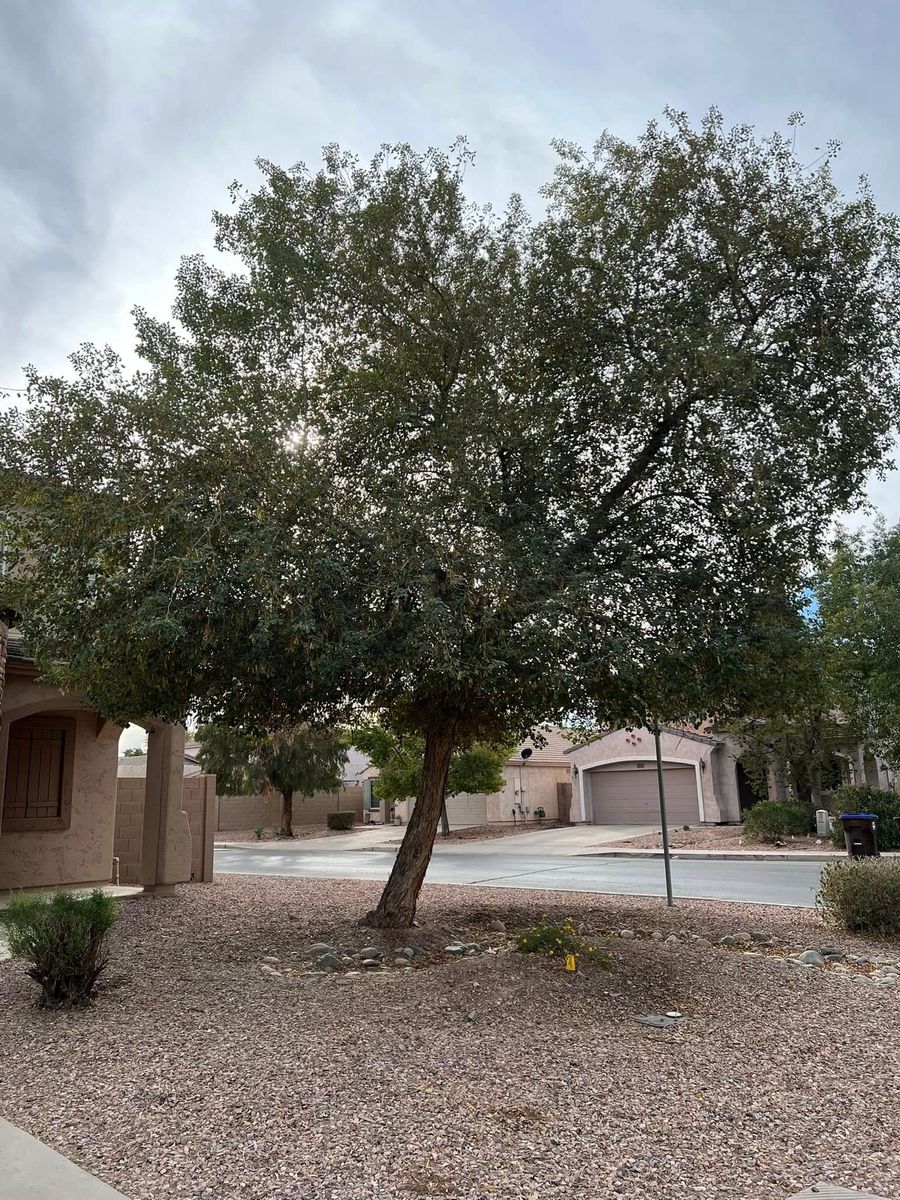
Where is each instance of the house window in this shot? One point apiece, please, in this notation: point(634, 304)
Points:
point(38, 790)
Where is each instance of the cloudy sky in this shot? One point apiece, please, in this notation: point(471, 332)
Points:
point(126, 120)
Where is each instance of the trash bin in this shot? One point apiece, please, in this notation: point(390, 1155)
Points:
point(860, 834)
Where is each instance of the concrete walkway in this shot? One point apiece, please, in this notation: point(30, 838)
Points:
point(29, 1170)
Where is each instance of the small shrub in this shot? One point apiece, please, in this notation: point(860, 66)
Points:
point(884, 805)
point(557, 940)
point(64, 938)
point(258, 832)
point(340, 820)
point(862, 894)
point(774, 820)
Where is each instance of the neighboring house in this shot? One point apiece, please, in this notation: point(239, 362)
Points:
point(614, 779)
point(530, 783)
point(134, 766)
point(58, 784)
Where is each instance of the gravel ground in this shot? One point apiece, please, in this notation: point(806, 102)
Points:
point(726, 837)
point(200, 1075)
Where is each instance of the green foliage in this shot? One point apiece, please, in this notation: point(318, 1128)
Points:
point(396, 450)
point(476, 768)
point(775, 820)
point(345, 819)
point(859, 612)
point(556, 940)
point(299, 760)
point(882, 804)
point(134, 752)
point(63, 937)
point(258, 833)
point(862, 895)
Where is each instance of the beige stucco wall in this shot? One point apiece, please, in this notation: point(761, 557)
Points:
point(200, 806)
point(538, 782)
point(718, 782)
point(81, 854)
point(251, 812)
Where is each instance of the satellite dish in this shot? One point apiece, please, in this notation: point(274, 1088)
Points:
point(526, 752)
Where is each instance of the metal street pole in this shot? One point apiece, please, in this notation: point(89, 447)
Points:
point(667, 858)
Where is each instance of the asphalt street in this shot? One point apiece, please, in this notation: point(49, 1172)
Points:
point(749, 881)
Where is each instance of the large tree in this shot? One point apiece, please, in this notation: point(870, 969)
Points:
point(471, 470)
point(299, 760)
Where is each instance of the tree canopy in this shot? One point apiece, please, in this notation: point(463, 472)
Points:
point(471, 470)
point(474, 768)
point(859, 613)
point(299, 760)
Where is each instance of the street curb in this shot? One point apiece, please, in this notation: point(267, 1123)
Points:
point(738, 855)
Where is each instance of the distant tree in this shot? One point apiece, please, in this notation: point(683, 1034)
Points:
point(468, 470)
point(134, 752)
point(301, 761)
point(399, 758)
point(859, 612)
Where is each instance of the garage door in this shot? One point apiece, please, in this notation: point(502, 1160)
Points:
point(629, 796)
point(466, 809)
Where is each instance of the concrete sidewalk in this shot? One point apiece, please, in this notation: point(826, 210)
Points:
point(29, 1170)
point(564, 842)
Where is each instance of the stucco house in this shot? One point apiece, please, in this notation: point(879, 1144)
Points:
point(58, 787)
point(614, 778)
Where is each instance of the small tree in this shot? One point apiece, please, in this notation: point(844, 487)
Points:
point(399, 758)
point(298, 760)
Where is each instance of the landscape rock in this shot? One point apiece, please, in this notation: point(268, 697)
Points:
point(743, 939)
point(811, 958)
point(728, 940)
point(400, 961)
point(656, 936)
point(316, 949)
point(627, 934)
point(497, 926)
point(369, 952)
point(267, 970)
point(757, 935)
point(455, 948)
point(372, 964)
point(673, 940)
point(329, 961)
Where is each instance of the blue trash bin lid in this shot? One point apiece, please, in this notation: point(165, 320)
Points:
point(858, 817)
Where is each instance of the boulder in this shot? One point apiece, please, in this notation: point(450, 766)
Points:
point(369, 952)
point(318, 948)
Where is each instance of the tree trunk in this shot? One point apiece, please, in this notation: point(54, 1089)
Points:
point(287, 815)
point(445, 820)
point(397, 906)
